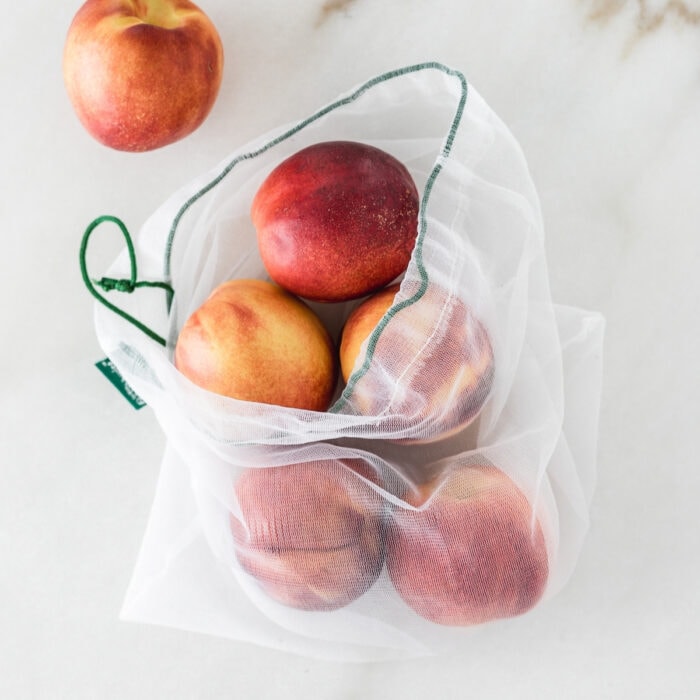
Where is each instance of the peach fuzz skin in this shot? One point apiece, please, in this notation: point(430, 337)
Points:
point(471, 553)
point(311, 534)
point(142, 74)
point(336, 220)
point(253, 341)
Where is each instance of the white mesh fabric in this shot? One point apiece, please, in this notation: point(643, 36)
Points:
point(467, 374)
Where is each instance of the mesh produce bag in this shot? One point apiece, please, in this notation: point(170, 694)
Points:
point(448, 485)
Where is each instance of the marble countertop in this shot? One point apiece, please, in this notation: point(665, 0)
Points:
point(604, 99)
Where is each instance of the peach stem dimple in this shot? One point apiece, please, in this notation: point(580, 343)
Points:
point(158, 13)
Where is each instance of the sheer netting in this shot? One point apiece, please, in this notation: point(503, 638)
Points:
point(449, 483)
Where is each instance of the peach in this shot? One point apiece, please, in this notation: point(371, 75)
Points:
point(469, 550)
point(444, 363)
point(311, 534)
point(142, 74)
point(336, 220)
point(251, 340)
point(360, 324)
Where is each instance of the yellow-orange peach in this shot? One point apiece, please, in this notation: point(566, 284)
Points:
point(311, 534)
point(251, 340)
point(142, 73)
point(360, 324)
point(437, 363)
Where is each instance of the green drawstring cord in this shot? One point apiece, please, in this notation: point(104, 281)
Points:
point(120, 285)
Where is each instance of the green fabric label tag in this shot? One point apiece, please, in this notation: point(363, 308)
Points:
point(110, 371)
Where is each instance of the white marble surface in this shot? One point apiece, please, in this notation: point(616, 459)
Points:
point(604, 97)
